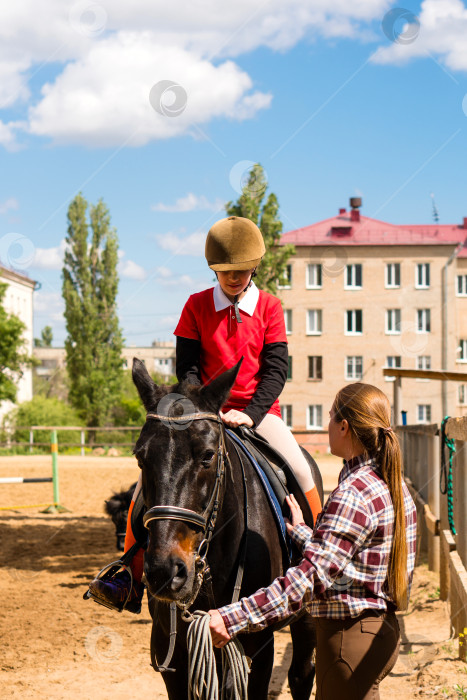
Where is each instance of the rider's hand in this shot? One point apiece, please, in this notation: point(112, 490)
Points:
point(218, 630)
point(235, 418)
point(295, 513)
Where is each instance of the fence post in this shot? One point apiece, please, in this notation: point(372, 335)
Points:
point(433, 500)
point(31, 440)
point(83, 443)
point(55, 507)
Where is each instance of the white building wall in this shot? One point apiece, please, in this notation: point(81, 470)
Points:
point(19, 301)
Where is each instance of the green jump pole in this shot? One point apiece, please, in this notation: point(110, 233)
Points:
point(55, 507)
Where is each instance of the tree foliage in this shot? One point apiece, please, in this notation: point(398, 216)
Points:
point(13, 358)
point(272, 270)
point(46, 339)
point(44, 411)
point(90, 285)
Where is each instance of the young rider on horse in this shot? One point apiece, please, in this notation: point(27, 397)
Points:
point(358, 562)
point(217, 327)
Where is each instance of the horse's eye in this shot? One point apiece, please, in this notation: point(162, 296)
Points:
point(207, 459)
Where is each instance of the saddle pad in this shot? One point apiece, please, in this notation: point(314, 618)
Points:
point(274, 503)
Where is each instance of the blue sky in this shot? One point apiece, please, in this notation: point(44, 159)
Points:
point(334, 100)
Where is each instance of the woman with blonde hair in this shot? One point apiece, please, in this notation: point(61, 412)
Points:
point(358, 562)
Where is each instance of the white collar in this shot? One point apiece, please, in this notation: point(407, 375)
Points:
point(246, 303)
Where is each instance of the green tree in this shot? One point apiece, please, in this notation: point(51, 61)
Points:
point(46, 339)
point(90, 284)
point(13, 358)
point(272, 270)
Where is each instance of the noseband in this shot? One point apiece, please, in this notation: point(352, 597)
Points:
point(207, 520)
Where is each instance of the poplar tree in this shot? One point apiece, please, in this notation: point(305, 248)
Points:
point(13, 358)
point(264, 213)
point(90, 285)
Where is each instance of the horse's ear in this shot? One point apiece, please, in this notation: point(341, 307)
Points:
point(147, 388)
point(215, 394)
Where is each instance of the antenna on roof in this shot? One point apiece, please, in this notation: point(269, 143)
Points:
point(435, 211)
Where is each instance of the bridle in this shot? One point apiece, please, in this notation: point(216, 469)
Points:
point(206, 520)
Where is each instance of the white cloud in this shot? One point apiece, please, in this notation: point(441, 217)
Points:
point(190, 245)
point(50, 258)
point(442, 33)
point(103, 98)
point(113, 52)
point(184, 281)
point(191, 202)
point(10, 203)
point(131, 270)
point(49, 303)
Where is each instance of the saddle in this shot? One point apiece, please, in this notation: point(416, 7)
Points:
point(277, 470)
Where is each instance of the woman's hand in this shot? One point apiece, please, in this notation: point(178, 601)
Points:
point(218, 630)
point(295, 513)
point(235, 418)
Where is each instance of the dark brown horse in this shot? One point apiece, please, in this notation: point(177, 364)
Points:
point(190, 468)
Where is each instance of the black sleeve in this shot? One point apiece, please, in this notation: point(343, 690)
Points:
point(274, 367)
point(187, 354)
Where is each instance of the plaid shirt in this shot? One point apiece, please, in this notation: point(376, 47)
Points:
point(345, 559)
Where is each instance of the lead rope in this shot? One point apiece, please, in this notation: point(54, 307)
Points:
point(203, 683)
point(446, 475)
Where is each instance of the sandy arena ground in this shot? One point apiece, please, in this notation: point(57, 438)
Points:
point(55, 645)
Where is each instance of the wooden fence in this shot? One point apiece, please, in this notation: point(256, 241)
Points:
point(447, 552)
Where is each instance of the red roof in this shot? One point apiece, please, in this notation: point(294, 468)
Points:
point(342, 230)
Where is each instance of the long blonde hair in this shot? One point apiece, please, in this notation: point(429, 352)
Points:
point(368, 413)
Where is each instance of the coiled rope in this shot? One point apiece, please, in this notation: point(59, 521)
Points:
point(445, 478)
point(202, 672)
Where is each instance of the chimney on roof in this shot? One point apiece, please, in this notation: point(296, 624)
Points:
point(465, 222)
point(355, 203)
point(341, 211)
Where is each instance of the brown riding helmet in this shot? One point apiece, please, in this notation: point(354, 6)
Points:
point(234, 243)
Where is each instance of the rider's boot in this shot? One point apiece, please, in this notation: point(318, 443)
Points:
point(117, 590)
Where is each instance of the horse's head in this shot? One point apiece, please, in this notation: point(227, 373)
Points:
point(180, 458)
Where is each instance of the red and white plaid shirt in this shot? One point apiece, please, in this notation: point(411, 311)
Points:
point(345, 559)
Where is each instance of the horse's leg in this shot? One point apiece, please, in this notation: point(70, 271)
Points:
point(302, 669)
point(259, 647)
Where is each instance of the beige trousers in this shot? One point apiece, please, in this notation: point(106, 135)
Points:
point(274, 430)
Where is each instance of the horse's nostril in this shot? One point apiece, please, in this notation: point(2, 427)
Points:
point(179, 575)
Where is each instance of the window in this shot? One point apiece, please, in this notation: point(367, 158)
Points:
point(354, 367)
point(393, 321)
point(353, 323)
point(289, 369)
point(315, 367)
point(314, 276)
point(422, 276)
point(315, 417)
point(462, 394)
point(393, 361)
point(286, 278)
point(462, 285)
point(423, 320)
point(314, 324)
point(288, 321)
point(423, 362)
point(424, 413)
point(393, 275)
point(462, 351)
point(353, 276)
point(286, 413)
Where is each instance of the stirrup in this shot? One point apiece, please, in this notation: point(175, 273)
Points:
point(106, 574)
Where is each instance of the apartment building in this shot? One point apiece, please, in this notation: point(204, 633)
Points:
point(159, 357)
point(364, 294)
